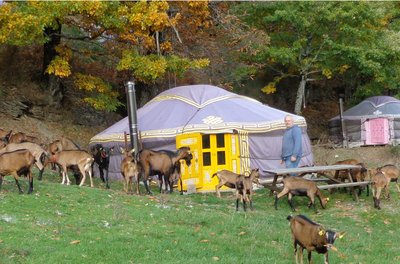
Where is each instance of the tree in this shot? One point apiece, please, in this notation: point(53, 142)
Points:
point(314, 40)
point(102, 35)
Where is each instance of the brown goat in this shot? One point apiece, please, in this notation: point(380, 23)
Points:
point(244, 188)
point(379, 182)
point(230, 179)
point(298, 186)
point(64, 143)
point(130, 171)
point(391, 172)
point(41, 156)
point(163, 162)
point(16, 163)
point(357, 175)
point(79, 158)
point(311, 236)
point(20, 137)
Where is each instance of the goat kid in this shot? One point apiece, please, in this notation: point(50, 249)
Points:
point(79, 158)
point(130, 171)
point(227, 178)
point(16, 163)
point(244, 188)
point(301, 187)
point(311, 236)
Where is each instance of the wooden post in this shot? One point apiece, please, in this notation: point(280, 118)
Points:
point(344, 134)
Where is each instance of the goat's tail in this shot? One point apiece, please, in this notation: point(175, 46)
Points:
point(289, 217)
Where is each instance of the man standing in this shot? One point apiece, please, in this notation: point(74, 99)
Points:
point(292, 144)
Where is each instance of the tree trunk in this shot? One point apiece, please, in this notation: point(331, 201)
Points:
point(300, 95)
point(53, 83)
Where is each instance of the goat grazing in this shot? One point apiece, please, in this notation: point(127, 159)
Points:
point(357, 175)
point(244, 188)
point(16, 163)
point(41, 156)
point(79, 158)
point(312, 237)
point(162, 162)
point(379, 182)
point(298, 186)
point(130, 171)
point(101, 157)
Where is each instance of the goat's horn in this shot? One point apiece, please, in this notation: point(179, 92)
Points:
point(333, 248)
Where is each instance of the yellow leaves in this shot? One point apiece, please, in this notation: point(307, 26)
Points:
point(269, 88)
point(90, 83)
point(343, 68)
point(327, 73)
point(60, 67)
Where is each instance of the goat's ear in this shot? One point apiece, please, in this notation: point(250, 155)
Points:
point(340, 234)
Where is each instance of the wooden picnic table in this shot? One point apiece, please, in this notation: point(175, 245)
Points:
point(319, 170)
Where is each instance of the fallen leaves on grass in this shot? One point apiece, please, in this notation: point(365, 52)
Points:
point(74, 242)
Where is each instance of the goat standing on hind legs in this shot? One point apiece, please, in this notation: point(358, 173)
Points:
point(311, 236)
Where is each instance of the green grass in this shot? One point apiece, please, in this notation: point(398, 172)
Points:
point(71, 224)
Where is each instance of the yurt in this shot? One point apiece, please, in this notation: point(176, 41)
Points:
point(224, 131)
point(374, 121)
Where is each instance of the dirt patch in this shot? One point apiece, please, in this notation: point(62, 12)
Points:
point(371, 156)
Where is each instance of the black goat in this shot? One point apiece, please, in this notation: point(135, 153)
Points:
point(101, 157)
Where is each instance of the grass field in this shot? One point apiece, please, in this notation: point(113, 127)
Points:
point(71, 224)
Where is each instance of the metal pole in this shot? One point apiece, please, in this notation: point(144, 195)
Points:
point(343, 125)
point(132, 117)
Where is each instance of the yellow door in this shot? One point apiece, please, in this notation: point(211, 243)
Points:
point(211, 153)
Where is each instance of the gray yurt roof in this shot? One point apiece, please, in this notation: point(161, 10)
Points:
point(376, 106)
point(199, 108)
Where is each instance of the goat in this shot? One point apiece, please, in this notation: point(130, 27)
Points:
point(312, 237)
point(379, 181)
point(130, 171)
point(20, 137)
point(357, 175)
point(302, 187)
point(162, 161)
point(244, 188)
point(64, 143)
point(3, 133)
point(41, 156)
point(101, 157)
point(391, 172)
point(16, 163)
point(79, 158)
point(230, 179)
